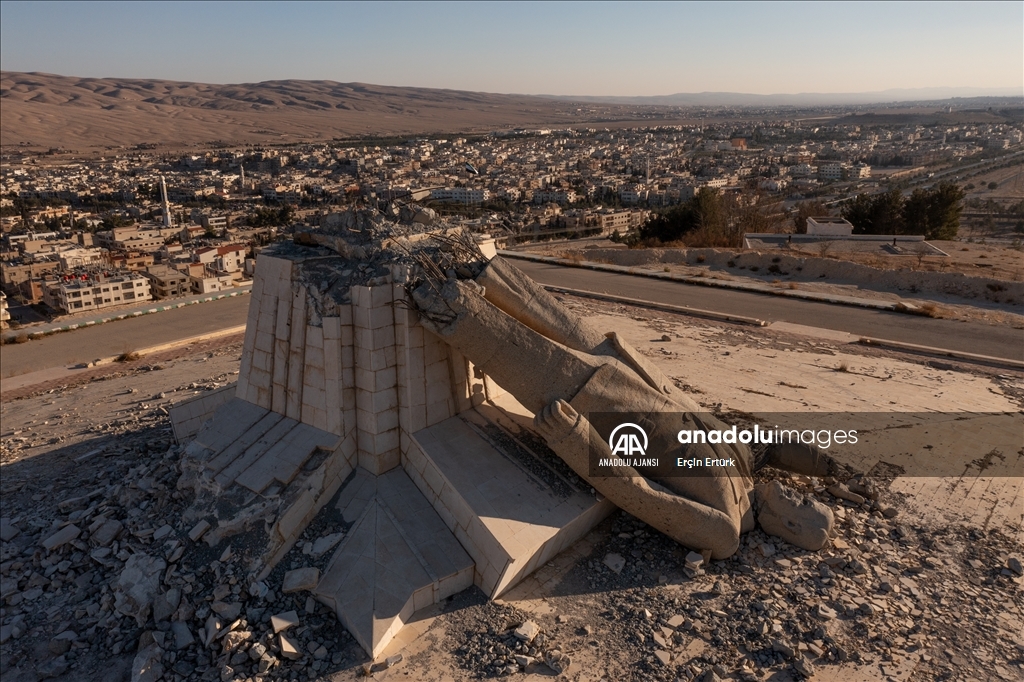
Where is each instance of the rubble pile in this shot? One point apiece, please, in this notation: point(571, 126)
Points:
point(885, 595)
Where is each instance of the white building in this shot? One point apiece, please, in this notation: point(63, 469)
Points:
point(78, 293)
point(830, 171)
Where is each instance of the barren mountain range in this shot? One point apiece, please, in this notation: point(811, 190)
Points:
point(43, 111)
point(46, 110)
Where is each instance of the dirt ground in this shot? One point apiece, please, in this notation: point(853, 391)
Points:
point(921, 582)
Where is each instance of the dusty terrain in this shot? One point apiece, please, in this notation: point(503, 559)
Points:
point(921, 583)
point(44, 110)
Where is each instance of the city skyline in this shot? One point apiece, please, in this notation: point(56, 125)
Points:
point(564, 49)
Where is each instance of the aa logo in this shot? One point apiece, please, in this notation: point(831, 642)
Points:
point(628, 440)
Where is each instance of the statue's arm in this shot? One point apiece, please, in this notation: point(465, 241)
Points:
point(689, 523)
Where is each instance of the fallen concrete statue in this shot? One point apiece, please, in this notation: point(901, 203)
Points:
point(562, 369)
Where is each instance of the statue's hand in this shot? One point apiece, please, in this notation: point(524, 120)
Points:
point(556, 421)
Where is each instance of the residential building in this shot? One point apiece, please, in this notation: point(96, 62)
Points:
point(167, 282)
point(94, 291)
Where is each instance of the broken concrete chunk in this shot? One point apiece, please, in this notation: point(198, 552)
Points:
point(162, 532)
point(326, 543)
point(557, 661)
point(106, 533)
point(61, 537)
point(226, 611)
point(183, 638)
point(615, 562)
point(137, 586)
point(147, 667)
point(792, 516)
point(164, 605)
point(198, 530)
point(527, 631)
point(8, 531)
point(283, 621)
point(300, 579)
point(842, 492)
point(289, 649)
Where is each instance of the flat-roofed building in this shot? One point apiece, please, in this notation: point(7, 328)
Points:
point(79, 293)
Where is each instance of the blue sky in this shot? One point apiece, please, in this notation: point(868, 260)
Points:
point(533, 48)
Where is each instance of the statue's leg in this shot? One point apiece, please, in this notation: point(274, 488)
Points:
point(686, 521)
point(513, 292)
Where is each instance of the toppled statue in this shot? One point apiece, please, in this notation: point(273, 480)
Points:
point(562, 369)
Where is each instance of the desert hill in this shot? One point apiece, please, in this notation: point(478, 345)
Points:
point(46, 110)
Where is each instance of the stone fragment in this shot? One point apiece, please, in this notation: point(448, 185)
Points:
point(615, 562)
point(326, 543)
point(147, 666)
point(211, 630)
point(524, 661)
point(226, 611)
point(527, 631)
point(162, 532)
point(106, 533)
point(256, 651)
point(55, 667)
point(842, 492)
point(796, 518)
point(663, 657)
point(61, 537)
point(198, 530)
point(266, 662)
point(392, 661)
point(783, 648)
point(183, 638)
point(226, 673)
point(804, 667)
point(8, 531)
point(1014, 564)
point(137, 586)
point(300, 579)
point(289, 649)
point(825, 613)
point(164, 605)
point(320, 653)
point(283, 621)
point(234, 639)
point(675, 621)
point(61, 644)
point(557, 661)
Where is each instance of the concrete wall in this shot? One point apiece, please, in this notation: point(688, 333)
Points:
point(366, 370)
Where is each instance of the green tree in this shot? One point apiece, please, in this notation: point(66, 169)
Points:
point(880, 214)
point(944, 208)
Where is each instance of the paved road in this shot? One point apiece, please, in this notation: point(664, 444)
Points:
point(997, 341)
point(145, 307)
point(114, 338)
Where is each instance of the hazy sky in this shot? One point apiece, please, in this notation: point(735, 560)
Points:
point(534, 48)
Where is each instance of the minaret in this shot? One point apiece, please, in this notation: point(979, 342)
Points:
point(167, 204)
point(241, 182)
